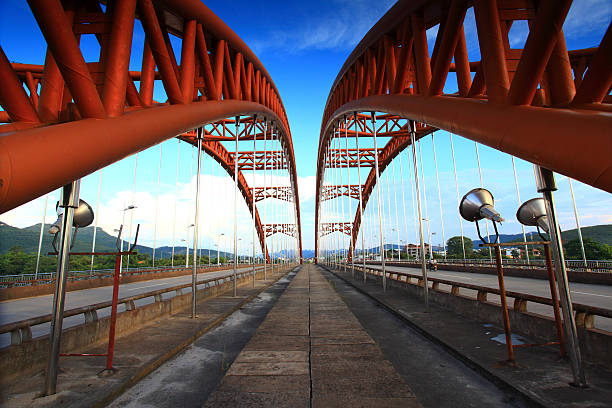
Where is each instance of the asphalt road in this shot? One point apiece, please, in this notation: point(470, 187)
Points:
point(20, 309)
point(587, 294)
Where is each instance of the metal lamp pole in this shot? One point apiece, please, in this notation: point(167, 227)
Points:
point(70, 201)
point(545, 181)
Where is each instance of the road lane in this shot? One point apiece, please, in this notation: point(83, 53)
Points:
point(20, 309)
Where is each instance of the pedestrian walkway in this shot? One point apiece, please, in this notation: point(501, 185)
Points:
point(81, 383)
point(311, 351)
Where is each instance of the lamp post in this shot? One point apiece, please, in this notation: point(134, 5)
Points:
point(74, 212)
point(187, 247)
point(218, 245)
point(545, 182)
point(128, 208)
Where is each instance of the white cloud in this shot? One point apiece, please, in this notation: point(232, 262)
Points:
point(339, 25)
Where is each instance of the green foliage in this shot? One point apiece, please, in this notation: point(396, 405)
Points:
point(592, 249)
point(453, 247)
point(16, 262)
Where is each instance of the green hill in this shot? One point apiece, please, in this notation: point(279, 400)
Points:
point(27, 238)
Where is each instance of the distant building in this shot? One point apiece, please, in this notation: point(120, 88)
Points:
point(413, 249)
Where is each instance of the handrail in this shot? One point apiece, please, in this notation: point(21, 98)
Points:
point(99, 273)
point(21, 330)
point(578, 307)
point(596, 266)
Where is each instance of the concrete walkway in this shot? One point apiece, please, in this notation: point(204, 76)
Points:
point(80, 383)
point(540, 378)
point(311, 351)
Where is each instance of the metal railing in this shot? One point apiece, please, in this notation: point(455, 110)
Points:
point(585, 314)
point(22, 330)
point(603, 266)
point(27, 279)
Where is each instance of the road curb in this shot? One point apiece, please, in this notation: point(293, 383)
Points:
point(500, 382)
point(178, 348)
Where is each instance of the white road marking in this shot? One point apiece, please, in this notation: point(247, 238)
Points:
point(591, 294)
point(147, 286)
point(453, 276)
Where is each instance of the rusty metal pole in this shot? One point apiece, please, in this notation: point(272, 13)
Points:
point(69, 201)
point(555, 299)
point(545, 181)
point(504, 304)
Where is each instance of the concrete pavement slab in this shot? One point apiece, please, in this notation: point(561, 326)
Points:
point(338, 358)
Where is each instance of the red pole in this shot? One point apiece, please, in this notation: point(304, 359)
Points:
point(502, 296)
point(555, 299)
point(111, 332)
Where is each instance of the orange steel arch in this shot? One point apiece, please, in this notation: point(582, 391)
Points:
point(520, 101)
point(77, 117)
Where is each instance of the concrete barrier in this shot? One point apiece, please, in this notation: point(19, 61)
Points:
point(31, 356)
point(20, 292)
point(596, 344)
point(600, 278)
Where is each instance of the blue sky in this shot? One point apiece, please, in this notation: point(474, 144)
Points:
point(302, 45)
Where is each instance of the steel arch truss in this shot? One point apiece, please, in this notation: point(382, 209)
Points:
point(287, 229)
point(109, 113)
point(517, 101)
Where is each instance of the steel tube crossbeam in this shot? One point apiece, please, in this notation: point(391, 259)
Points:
point(516, 130)
point(215, 67)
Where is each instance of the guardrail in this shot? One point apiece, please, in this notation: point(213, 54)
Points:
point(8, 281)
point(574, 265)
point(22, 330)
point(585, 314)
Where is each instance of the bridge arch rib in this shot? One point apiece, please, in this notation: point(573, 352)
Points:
point(537, 103)
point(78, 117)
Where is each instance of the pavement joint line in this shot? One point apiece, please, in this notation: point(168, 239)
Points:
point(180, 347)
point(470, 363)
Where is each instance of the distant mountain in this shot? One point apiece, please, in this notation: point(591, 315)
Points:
point(28, 237)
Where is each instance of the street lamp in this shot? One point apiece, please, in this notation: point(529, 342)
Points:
point(478, 204)
point(78, 214)
point(217, 245)
point(128, 208)
point(238, 249)
point(187, 247)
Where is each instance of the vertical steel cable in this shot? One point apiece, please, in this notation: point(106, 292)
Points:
point(161, 148)
point(425, 202)
point(482, 186)
point(359, 184)
point(134, 204)
point(178, 154)
point(458, 200)
point(518, 198)
point(571, 189)
point(399, 247)
point(42, 228)
point(403, 203)
point(433, 143)
point(97, 216)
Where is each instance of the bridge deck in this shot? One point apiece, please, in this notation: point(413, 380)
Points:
point(311, 349)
